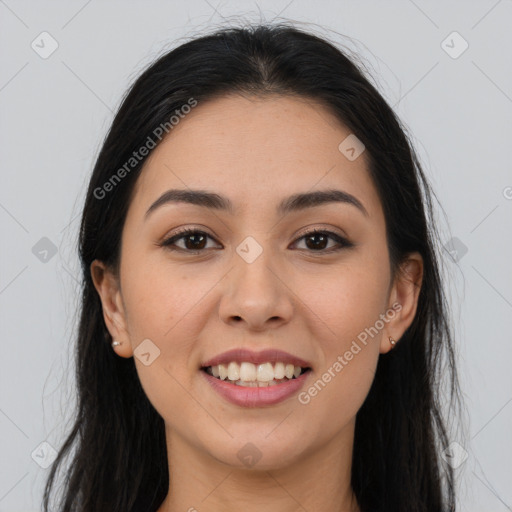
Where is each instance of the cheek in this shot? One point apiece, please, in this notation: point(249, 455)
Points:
point(346, 300)
point(346, 308)
point(159, 300)
point(162, 305)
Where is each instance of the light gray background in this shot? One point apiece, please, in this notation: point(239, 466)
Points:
point(55, 113)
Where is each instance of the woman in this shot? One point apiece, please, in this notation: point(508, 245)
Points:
point(263, 319)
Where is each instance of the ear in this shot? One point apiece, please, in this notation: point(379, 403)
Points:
point(107, 286)
point(403, 299)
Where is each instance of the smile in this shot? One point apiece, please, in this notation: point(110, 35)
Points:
point(250, 375)
point(255, 393)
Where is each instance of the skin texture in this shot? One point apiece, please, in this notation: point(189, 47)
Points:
point(307, 301)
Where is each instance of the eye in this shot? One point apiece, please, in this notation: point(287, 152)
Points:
point(316, 240)
point(194, 240)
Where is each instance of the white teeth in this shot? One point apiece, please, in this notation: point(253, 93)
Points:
point(248, 374)
point(265, 372)
point(223, 371)
point(279, 371)
point(257, 384)
point(233, 371)
point(244, 384)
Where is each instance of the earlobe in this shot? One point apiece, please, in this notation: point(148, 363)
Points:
point(107, 286)
point(403, 300)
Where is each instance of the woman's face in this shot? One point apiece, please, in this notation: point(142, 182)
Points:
point(252, 279)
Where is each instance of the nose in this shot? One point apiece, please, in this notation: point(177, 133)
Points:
point(256, 295)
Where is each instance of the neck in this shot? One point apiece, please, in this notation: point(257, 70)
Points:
point(317, 479)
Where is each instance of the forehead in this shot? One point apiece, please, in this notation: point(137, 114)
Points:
point(256, 151)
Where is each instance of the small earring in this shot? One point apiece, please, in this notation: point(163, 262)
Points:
point(392, 341)
point(116, 343)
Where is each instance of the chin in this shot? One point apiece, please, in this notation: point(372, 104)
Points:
point(252, 451)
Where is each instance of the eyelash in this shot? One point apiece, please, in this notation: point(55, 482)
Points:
point(343, 242)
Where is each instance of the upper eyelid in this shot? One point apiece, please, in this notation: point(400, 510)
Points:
point(304, 231)
point(313, 230)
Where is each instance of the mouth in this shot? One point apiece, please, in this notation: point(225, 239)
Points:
point(256, 379)
point(247, 374)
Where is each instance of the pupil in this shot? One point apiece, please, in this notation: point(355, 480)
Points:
point(315, 245)
point(194, 244)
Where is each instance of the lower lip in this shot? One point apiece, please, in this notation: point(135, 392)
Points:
point(255, 396)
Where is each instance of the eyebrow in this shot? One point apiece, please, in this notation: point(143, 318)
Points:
point(295, 202)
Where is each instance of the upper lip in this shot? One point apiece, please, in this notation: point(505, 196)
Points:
point(241, 355)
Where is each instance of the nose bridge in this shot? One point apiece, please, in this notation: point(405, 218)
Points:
point(256, 293)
